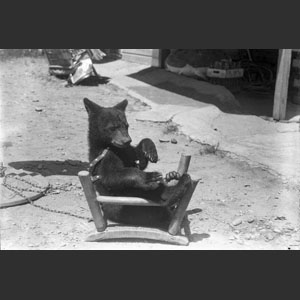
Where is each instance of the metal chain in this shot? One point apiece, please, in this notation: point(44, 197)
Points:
point(11, 188)
point(59, 212)
point(22, 180)
point(18, 191)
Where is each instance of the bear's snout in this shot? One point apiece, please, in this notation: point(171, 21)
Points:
point(122, 141)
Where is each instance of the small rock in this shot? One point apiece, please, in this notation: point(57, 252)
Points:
point(164, 141)
point(269, 236)
point(174, 141)
point(290, 228)
point(64, 170)
point(280, 218)
point(36, 100)
point(237, 222)
point(56, 192)
point(38, 109)
point(277, 230)
point(250, 220)
point(40, 166)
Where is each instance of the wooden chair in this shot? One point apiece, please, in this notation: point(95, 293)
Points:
point(106, 232)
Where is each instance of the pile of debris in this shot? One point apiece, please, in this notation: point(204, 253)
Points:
point(76, 65)
point(193, 62)
point(232, 68)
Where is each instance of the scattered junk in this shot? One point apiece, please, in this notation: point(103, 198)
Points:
point(76, 65)
point(96, 55)
point(227, 73)
point(192, 62)
point(211, 65)
point(236, 70)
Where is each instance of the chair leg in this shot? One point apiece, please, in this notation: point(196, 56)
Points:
point(180, 211)
point(91, 197)
point(186, 226)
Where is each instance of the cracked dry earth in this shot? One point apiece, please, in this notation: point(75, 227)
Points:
point(43, 131)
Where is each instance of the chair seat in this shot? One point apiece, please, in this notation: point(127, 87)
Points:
point(127, 201)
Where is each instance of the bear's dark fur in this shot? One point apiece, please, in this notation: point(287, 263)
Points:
point(122, 169)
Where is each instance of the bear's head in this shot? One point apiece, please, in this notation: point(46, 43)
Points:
point(108, 126)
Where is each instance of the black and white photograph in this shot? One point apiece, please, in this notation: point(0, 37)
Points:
point(150, 149)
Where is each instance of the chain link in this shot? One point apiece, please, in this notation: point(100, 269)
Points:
point(35, 186)
point(59, 212)
point(18, 191)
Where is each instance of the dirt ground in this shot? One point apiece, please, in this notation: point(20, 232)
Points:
point(44, 129)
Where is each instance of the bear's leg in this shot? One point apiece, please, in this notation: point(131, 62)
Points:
point(132, 179)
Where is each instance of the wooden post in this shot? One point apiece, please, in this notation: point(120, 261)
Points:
point(282, 83)
point(156, 58)
point(91, 197)
point(184, 164)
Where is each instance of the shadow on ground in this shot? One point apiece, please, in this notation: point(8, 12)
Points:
point(170, 84)
point(258, 102)
point(50, 168)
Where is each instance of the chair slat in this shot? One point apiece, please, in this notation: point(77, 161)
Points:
point(127, 201)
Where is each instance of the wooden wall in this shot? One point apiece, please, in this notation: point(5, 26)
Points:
point(142, 56)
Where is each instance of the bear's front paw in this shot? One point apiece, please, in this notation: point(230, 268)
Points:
point(149, 150)
point(172, 175)
point(154, 177)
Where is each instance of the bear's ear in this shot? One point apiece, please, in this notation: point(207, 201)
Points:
point(90, 106)
point(122, 106)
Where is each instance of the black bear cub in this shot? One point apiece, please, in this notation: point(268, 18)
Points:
point(121, 171)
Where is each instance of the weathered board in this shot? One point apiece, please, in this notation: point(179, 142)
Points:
point(149, 57)
point(282, 83)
